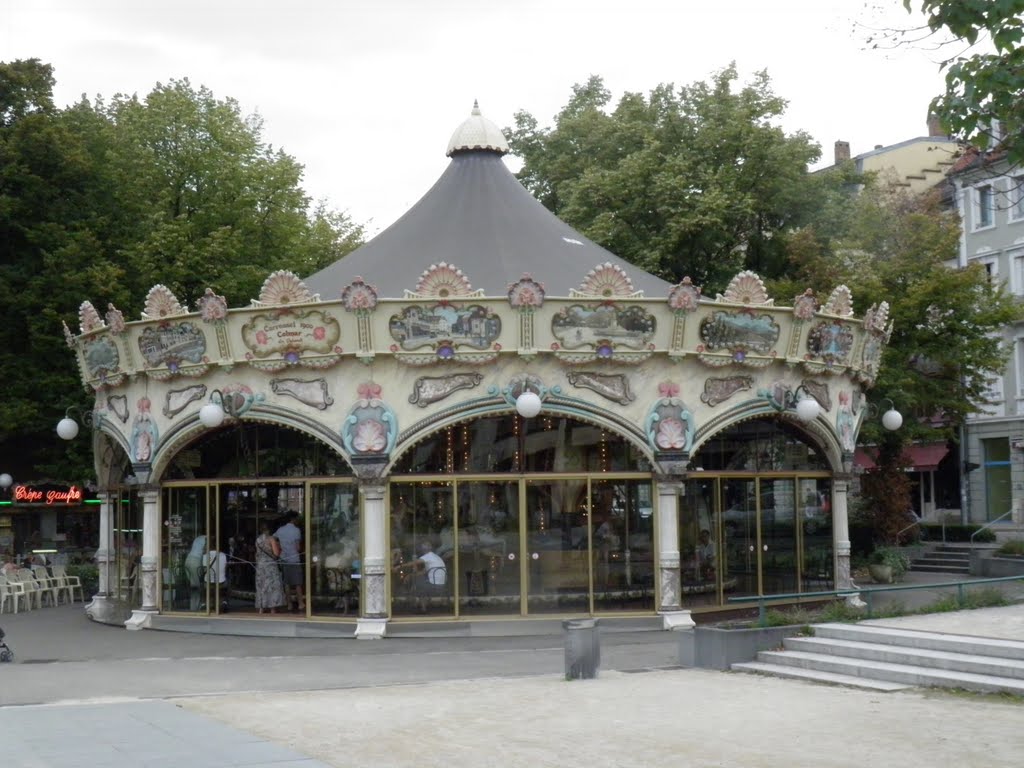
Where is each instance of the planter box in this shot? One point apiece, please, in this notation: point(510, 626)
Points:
point(988, 565)
point(720, 648)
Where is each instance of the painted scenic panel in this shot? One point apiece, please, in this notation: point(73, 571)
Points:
point(419, 326)
point(831, 341)
point(739, 331)
point(579, 326)
point(172, 342)
point(101, 356)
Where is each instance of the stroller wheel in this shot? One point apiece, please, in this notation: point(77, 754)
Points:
point(6, 655)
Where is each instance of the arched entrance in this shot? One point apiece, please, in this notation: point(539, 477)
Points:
point(226, 487)
point(755, 517)
point(525, 517)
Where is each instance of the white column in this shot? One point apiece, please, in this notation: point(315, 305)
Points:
point(103, 607)
point(841, 532)
point(373, 612)
point(150, 560)
point(673, 616)
point(104, 555)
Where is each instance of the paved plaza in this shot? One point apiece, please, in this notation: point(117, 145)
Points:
point(83, 694)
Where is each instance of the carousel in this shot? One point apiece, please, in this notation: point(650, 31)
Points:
point(477, 415)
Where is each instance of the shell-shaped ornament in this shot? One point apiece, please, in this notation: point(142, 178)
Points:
point(609, 281)
point(840, 302)
point(161, 303)
point(282, 288)
point(88, 318)
point(747, 288)
point(443, 281)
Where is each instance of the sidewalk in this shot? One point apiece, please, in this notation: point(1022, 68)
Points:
point(105, 696)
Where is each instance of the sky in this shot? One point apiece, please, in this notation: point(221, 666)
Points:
point(367, 94)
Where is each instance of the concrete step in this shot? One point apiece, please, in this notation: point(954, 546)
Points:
point(920, 639)
point(895, 673)
point(796, 673)
point(921, 657)
point(940, 568)
point(956, 557)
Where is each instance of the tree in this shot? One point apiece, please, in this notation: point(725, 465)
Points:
point(697, 181)
point(983, 87)
point(946, 345)
point(101, 202)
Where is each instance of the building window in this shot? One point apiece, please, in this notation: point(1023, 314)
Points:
point(998, 497)
point(1017, 198)
point(1016, 258)
point(984, 207)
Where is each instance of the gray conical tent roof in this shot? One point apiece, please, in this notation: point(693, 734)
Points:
point(479, 218)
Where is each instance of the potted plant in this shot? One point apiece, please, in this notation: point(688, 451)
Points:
point(887, 565)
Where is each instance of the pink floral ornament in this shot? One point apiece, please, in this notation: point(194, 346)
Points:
point(369, 391)
point(358, 296)
point(685, 297)
point(527, 292)
point(668, 389)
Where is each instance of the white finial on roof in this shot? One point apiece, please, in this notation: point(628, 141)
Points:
point(476, 133)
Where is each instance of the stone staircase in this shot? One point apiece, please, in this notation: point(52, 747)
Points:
point(887, 659)
point(945, 558)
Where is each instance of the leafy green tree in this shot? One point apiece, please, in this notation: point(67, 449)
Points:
point(946, 345)
point(985, 82)
point(696, 181)
point(101, 202)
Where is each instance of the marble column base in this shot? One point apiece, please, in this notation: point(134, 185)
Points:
point(671, 620)
point(371, 629)
point(105, 610)
point(140, 619)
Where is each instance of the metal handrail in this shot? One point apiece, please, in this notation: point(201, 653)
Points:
point(854, 591)
point(989, 524)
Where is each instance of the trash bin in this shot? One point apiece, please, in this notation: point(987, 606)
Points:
point(582, 649)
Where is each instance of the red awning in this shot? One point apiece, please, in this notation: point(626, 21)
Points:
point(923, 457)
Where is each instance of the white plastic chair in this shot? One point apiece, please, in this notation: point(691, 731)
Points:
point(71, 583)
point(49, 584)
point(24, 577)
point(13, 591)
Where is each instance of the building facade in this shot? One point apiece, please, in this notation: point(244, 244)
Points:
point(478, 414)
point(989, 195)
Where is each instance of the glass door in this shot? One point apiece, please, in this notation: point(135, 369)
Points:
point(489, 548)
point(740, 564)
point(557, 545)
point(779, 530)
point(186, 527)
point(335, 542)
point(126, 584)
point(622, 535)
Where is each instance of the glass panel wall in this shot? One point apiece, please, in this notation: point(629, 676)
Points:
point(245, 511)
point(423, 520)
point(511, 444)
point(335, 543)
point(186, 526)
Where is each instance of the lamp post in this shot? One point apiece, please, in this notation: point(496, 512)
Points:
point(212, 414)
point(67, 428)
point(6, 481)
point(802, 401)
point(528, 404)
